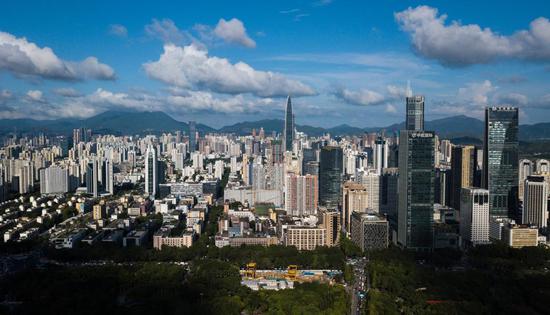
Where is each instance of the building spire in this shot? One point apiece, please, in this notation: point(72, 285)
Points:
point(408, 91)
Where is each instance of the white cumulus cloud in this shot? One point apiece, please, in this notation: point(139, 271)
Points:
point(454, 44)
point(233, 31)
point(23, 58)
point(476, 93)
point(363, 97)
point(191, 67)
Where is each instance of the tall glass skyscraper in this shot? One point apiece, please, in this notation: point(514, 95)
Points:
point(416, 189)
point(500, 160)
point(289, 126)
point(415, 112)
point(330, 176)
point(151, 172)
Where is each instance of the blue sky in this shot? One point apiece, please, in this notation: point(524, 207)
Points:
point(220, 62)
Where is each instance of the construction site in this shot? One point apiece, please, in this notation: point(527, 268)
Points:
point(278, 279)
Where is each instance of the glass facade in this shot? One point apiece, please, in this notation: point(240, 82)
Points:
point(415, 113)
point(500, 160)
point(416, 189)
point(330, 176)
point(289, 125)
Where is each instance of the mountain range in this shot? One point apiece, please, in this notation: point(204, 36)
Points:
point(131, 123)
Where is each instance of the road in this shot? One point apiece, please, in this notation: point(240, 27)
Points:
point(357, 289)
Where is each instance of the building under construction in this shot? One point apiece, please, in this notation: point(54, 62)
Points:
point(276, 279)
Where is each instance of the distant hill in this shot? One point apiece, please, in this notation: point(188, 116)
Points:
point(130, 123)
point(109, 122)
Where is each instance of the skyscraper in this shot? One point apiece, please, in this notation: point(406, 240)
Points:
point(415, 112)
point(535, 204)
point(330, 176)
point(380, 155)
point(151, 172)
point(474, 216)
point(416, 189)
point(525, 170)
point(289, 126)
point(463, 167)
point(500, 160)
point(192, 137)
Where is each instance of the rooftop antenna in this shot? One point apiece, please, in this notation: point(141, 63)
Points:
point(409, 91)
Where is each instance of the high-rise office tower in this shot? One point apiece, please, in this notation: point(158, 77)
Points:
point(380, 155)
point(289, 126)
point(330, 176)
point(301, 195)
point(354, 198)
point(500, 160)
point(416, 189)
point(388, 195)
point(463, 168)
point(151, 172)
point(535, 202)
point(277, 151)
point(525, 170)
point(371, 182)
point(474, 216)
point(309, 158)
point(192, 136)
point(415, 112)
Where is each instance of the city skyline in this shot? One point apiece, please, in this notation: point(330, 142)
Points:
point(67, 68)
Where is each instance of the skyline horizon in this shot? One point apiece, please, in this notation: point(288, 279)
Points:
point(237, 63)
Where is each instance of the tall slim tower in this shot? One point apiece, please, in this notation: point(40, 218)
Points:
point(289, 126)
point(330, 176)
point(192, 136)
point(415, 112)
point(380, 155)
point(151, 171)
point(500, 160)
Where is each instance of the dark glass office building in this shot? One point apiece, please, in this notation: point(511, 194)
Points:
point(330, 176)
point(416, 189)
point(289, 125)
point(500, 160)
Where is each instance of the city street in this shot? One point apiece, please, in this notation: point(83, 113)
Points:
point(357, 289)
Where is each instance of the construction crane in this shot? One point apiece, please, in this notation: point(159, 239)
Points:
point(250, 271)
point(292, 272)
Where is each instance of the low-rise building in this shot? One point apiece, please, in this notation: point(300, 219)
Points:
point(518, 236)
point(305, 237)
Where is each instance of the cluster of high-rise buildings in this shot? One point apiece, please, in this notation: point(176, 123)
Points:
point(407, 187)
